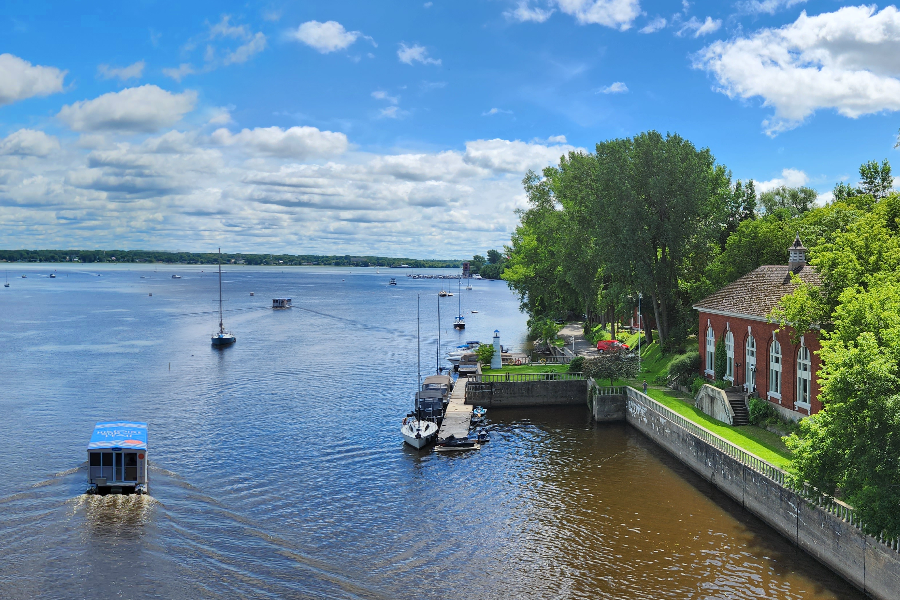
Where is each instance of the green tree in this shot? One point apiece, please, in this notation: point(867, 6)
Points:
point(476, 263)
point(875, 179)
point(612, 366)
point(494, 256)
point(796, 200)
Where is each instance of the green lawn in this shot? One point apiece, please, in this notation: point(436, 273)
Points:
point(764, 444)
point(528, 369)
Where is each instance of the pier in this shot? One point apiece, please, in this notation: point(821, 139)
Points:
point(458, 415)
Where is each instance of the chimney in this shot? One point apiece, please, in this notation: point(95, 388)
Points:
point(796, 255)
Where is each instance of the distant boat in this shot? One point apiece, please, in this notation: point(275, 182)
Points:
point(459, 322)
point(475, 312)
point(281, 303)
point(7, 280)
point(176, 276)
point(52, 275)
point(392, 281)
point(442, 293)
point(24, 276)
point(222, 337)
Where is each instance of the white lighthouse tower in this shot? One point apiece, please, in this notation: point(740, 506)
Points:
point(497, 358)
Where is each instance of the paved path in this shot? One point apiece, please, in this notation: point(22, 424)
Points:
point(582, 346)
point(458, 415)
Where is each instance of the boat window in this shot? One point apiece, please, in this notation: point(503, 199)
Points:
point(131, 466)
point(117, 462)
point(101, 465)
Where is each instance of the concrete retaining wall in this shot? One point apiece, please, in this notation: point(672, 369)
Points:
point(714, 402)
point(527, 393)
point(862, 560)
point(605, 406)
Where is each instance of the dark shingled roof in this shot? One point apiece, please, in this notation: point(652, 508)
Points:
point(756, 293)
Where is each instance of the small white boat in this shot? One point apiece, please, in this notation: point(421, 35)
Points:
point(281, 302)
point(418, 433)
point(176, 276)
point(52, 275)
point(474, 312)
point(24, 276)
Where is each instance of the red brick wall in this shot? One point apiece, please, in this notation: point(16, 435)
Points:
point(762, 333)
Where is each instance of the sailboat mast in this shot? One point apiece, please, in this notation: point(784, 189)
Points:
point(418, 341)
point(438, 352)
point(221, 324)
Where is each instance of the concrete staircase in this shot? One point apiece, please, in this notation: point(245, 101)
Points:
point(737, 400)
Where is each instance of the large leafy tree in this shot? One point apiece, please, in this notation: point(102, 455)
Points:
point(795, 200)
point(852, 447)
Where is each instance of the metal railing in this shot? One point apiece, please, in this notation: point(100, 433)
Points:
point(616, 390)
point(827, 503)
point(524, 377)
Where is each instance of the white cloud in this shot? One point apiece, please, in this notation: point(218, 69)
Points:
point(133, 71)
point(300, 143)
point(225, 29)
point(616, 88)
point(428, 4)
point(512, 156)
point(848, 60)
point(415, 53)
point(220, 116)
point(19, 79)
point(769, 7)
point(618, 14)
point(146, 108)
point(789, 177)
point(245, 52)
point(183, 70)
point(524, 13)
point(699, 28)
point(28, 142)
point(654, 25)
point(496, 111)
point(382, 95)
point(324, 37)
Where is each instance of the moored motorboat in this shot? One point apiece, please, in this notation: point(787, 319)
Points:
point(176, 276)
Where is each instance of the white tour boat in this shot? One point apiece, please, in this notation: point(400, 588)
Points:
point(117, 458)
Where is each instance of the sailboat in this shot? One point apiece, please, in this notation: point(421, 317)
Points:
point(416, 431)
point(7, 280)
point(222, 337)
point(459, 322)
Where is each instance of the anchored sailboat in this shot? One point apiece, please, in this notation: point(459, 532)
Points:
point(416, 431)
point(459, 322)
point(222, 337)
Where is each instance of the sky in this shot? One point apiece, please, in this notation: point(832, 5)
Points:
point(405, 128)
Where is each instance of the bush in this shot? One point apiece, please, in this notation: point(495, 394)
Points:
point(599, 333)
point(697, 384)
point(576, 365)
point(684, 368)
point(762, 413)
point(721, 361)
point(485, 353)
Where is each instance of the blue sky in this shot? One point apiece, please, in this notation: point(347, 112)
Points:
point(404, 128)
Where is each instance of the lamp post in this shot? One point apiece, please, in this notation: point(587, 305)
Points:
point(641, 332)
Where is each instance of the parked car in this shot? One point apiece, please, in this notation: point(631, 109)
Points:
point(611, 346)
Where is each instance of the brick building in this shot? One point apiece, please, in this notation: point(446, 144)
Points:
point(764, 363)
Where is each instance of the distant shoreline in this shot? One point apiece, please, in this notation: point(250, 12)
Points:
point(212, 258)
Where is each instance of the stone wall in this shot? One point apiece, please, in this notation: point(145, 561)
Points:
point(606, 405)
point(527, 393)
point(870, 565)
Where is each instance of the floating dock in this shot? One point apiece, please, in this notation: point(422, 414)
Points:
point(458, 415)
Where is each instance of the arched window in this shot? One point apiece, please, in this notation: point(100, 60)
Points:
point(710, 350)
point(729, 356)
point(804, 377)
point(750, 359)
point(775, 369)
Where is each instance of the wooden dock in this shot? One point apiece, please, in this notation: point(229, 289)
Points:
point(458, 415)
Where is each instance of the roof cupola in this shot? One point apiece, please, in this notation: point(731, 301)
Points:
point(797, 254)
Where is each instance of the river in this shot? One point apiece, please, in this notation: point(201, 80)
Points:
point(278, 470)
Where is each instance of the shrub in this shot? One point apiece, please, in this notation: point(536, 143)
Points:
point(684, 368)
point(599, 333)
point(697, 384)
point(720, 359)
point(612, 366)
point(485, 353)
point(761, 411)
point(576, 365)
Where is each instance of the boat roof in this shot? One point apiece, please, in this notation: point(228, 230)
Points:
point(119, 434)
point(439, 379)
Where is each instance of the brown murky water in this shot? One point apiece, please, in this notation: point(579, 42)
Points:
point(278, 471)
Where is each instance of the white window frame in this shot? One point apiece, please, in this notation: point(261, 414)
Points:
point(710, 351)
point(729, 357)
point(776, 363)
point(804, 378)
point(750, 364)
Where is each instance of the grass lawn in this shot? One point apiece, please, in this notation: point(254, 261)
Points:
point(528, 369)
point(764, 444)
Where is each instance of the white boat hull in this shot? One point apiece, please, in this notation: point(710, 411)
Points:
point(419, 433)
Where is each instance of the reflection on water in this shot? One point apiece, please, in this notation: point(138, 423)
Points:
point(278, 471)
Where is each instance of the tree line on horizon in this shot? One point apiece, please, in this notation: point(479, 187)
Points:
point(205, 258)
point(655, 217)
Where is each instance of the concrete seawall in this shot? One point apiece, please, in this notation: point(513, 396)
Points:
point(527, 393)
point(870, 565)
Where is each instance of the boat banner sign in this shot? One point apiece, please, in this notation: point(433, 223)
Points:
point(119, 434)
